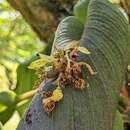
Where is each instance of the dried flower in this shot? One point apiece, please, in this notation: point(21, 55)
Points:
point(47, 94)
point(48, 105)
point(79, 84)
point(62, 65)
point(49, 102)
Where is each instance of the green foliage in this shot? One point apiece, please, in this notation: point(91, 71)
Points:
point(67, 31)
point(8, 102)
point(13, 122)
point(80, 10)
point(17, 43)
point(22, 107)
point(25, 82)
point(1, 127)
point(9, 98)
point(25, 79)
point(118, 123)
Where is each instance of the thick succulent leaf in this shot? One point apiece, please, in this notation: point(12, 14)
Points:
point(71, 45)
point(106, 35)
point(68, 30)
point(118, 124)
point(80, 10)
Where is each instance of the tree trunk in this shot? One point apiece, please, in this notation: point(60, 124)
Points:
point(43, 15)
point(106, 35)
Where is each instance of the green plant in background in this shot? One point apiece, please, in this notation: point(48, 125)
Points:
point(80, 10)
point(17, 44)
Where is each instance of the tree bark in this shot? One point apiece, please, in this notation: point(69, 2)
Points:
point(43, 15)
point(107, 36)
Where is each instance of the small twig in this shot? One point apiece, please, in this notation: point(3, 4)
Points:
point(27, 95)
point(68, 60)
point(22, 103)
point(92, 72)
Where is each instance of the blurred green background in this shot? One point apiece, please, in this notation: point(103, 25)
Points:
point(17, 44)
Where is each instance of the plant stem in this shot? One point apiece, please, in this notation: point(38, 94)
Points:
point(27, 95)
